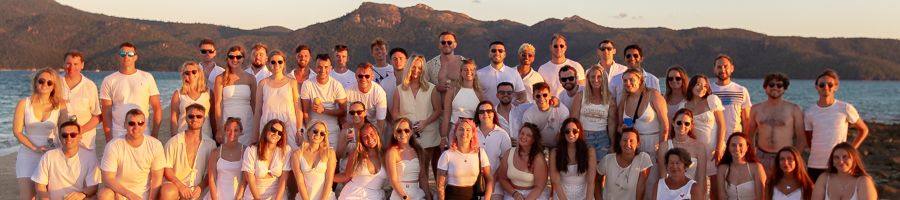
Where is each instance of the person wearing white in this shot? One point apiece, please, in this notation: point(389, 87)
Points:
point(264, 165)
point(504, 106)
point(258, 67)
point(495, 73)
point(573, 164)
point(399, 59)
point(370, 94)
point(567, 76)
point(224, 170)
point(185, 175)
point(302, 70)
point(365, 174)
point(596, 110)
point(192, 91)
point(324, 99)
point(280, 100)
point(677, 185)
point(828, 121)
point(547, 118)
point(735, 98)
point(82, 100)
point(69, 171)
point(314, 164)
point(383, 69)
point(523, 169)
point(34, 126)
point(709, 123)
point(406, 169)
point(422, 106)
point(634, 57)
point(341, 71)
point(127, 89)
point(550, 70)
point(607, 51)
point(528, 75)
point(625, 172)
point(207, 58)
point(235, 95)
point(493, 139)
point(438, 68)
point(460, 166)
point(461, 100)
point(132, 166)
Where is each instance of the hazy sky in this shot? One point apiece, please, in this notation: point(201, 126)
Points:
point(808, 18)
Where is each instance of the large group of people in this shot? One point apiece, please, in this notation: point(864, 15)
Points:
point(405, 127)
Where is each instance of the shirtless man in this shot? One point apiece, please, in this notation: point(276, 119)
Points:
point(444, 67)
point(775, 122)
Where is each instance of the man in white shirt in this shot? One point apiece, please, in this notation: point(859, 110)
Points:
point(504, 105)
point(324, 98)
point(607, 52)
point(827, 123)
point(186, 158)
point(258, 67)
point(445, 66)
point(129, 88)
point(207, 58)
point(634, 57)
point(370, 94)
point(550, 70)
point(302, 70)
point(547, 118)
point(735, 98)
point(567, 76)
point(390, 83)
point(528, 75)
point(132, 166)
point(69, 172)
point(81, 98)
point(495, 73)
point(341, 71)
point(382, 69)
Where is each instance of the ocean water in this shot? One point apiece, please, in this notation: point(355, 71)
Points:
point(875, 100)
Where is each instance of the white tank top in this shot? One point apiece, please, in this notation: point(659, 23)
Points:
point(664, 192)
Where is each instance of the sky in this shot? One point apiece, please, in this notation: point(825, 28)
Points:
point(805, 18)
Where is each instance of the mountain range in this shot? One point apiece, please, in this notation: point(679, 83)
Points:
point(36, 33)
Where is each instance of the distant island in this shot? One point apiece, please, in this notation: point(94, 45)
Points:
point(36, 34)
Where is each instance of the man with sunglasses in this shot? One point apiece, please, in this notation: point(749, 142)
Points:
point(324, 98)
point(132, 166)
point(341, 71)
point(369, 94)
point(444, 67)
point(634, 57)
point(258, 67)
point(567, 76)
point(735, 97)
point(548, 118)
point(776, 122)
point(504, 106)
point(827, 122)
point(207, 58)
point(69, 172)
point(495, 73)
point(607, 52)
point(126, 89)
point(550, 70)
point(186, 156)
point(81, 98)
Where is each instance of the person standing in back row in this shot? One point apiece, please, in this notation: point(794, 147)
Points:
point(827, 123)
point(258, 60)
point(634, 57)
point(735, 98)
point(126, 89)
point(444, 67)
point(324, 98)
point(550, 70)
point(80, 94)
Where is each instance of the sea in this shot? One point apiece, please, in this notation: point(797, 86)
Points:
point(876, 101)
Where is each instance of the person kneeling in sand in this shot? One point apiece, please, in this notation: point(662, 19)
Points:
point(69, 172)
point(130, 162)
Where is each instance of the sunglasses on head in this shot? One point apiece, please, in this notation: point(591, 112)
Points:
point(195, 116)
point(190, 72)
point(683, 123)
point(356, 113)
point(277, 62)
point(831, 85)
point(497, 50)
point(363, 76)
point(402, 130)
point(65, 135)
point(207, 51)
point(635, 56)
point(674, 78)
point(129, 54)
point(44, 81)
point(605, 48)
point(237, 57)
point(566, 79)
point(447, 42)
point(777, 85)
point(276, 131)
point(559, 46)
point(134, 123)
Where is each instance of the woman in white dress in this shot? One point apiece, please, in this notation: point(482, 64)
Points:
point(523, 170)
point(676, 88)
point(741, 174)
point(34, 125)
point(265, 166)
point(684, 138)
point(234, 93)
point(277, 98)
point(573, 164)
point(709, 124)
point(462, 99)
point(677, 185)
point(193, 91)
point(624, 173)
point(789, 180)
point(313, 165)
point(364, 175)
point(224, 170)
point(421, 105)
point(406, 169)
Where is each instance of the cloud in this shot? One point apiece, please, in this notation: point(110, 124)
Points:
point(626, 16)
point(476, 1)
point(620, 16)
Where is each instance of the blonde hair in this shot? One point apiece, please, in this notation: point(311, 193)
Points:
point(473, 144)
point(284, 58)
point(526, 47)
point(423, 76)
point(605, 94)
point(475, 83)
point(323, 146)
point(56, 96)
point(199, 84)
point(362, 152)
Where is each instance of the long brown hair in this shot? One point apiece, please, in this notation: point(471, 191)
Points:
point(689, 114)
point(684, 84)
point(413, 142)
point(799, 173)
point(581, 148)
point(228, 72)
point(263, 142)
point(362, 152)
point(858, 168)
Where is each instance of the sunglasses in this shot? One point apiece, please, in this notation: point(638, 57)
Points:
point(68, 135)
point(356, 113)
point(277, 62)
point(190, 72)
point(362, 76)
point(635, 56)
point(195, 116)
point(830, 85)
point(683, 123)
point(484, 111)
point(403, 131)
point(566, 79)
point(779, 85)
point(559, 46)
point(276, 131)
point(319, 132)
point(674, 78)
point(504, 92)
point(446, 42)
point(45, 81)
point(207, 51)
point(129, 54)
point(497, 50)
point(574, 130)
point(605, 48)
point(538, 96)
point(134, 123)
point(236, 57)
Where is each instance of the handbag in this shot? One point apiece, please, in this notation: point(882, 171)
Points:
point(480, 186)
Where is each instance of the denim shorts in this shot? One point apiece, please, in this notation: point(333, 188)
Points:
point(600, 141)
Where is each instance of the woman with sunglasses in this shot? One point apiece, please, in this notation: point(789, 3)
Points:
point(623, 174)
point(460, 166)
point(684, 138)
point(676, 88)
point(234, 95)
point(34, 125)
point(677, 185)
point(789, 180)
point(421, 104)
point(193, 91)
point(224, 166)
point(364, 175)
point(461, 100)
point(313, 165)
point(846, 176)
point(594, 107)
point(264, 165)
point(742, 174)
point(406, 169)
point(277, 98)
point(493, 139)
point(573, 164)
point(523, 170)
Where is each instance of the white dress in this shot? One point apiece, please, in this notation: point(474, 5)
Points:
point(573, 183)
point(705, 127)
point(364, 185)
point(38, 132)
point(228, 175)
point(409, 180)
point(314, 175)
point(236, 103)
point(278, 103)
point(183, 102)
point(267, 172)
point(464, 104)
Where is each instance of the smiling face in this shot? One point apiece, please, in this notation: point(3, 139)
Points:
point(526, 58)
point(322, 69)
point(303, 58)
point(826, 86)
point(190, 74)
point(631, 82)
point(74, 65)
point(259, 57)
point(317, 133)
point(278, 64)
point(379, 52)
point(447, 44)
point(44, 84)
point(674, 164)
point(595, 79)
point(526, 137)
point(135, 125)
point(843, 161)
point(357, 113)
point(497, 53)
point(542, 99)
point(235, 59)
point(737, 147)
point(194, 118)
point(558, 48)
point(416, 69)
point(629, 142)
point(468, 72)
point(568, 80)
point(633, 58)
point(505, 94)
point(70, 136)
point(233, 132)
point(572, 132)
point(723, 69)
point(364, 78)
point(787, 162)
point(402, 132)
point(701, 88)
point(369, 138)
point(275, 133)
point(675, 79)
point(682, 124)
point(464, 133)
point(485, 114)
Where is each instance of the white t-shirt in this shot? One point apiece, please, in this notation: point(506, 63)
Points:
point(734, 98)
point(529, 80)
point(515, 119)
point(389, 85)
point(616, 85)
point(128, 92)
point(64, 175)
point(489, 77)
point(375, 101)
point(829, 127)
point(132, 165)
point(462, 168)
point(550, 73)
point(83, 102)
point(262, 74)
point(329, 93)
point(565, 99)
point(548, 121)
point(494, 145)
point(622, 182)
point(177, 159)
point(275, 165)
point(382, 73)
point(211, 81)
point(614, 70)
point(347, 79)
